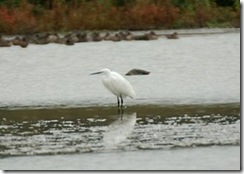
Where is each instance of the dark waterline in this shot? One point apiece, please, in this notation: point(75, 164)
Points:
point(52, 112)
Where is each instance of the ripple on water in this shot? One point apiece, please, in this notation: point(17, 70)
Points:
point(106, 132)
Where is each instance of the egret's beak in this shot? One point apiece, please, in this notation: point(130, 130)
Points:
point(99, 72)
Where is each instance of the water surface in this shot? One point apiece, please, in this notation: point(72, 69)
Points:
point(204, 158)
point(78, 130)
point(186, 114)
point(192, 69)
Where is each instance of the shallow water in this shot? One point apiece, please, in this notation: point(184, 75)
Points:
point(106, 139)
point(50, 106)
point(78, 130)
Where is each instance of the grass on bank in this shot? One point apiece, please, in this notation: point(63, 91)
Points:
point(23, 16)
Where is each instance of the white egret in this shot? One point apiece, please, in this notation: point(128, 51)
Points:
point(116, 84)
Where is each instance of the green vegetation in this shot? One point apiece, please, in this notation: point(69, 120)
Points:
point(29, 16)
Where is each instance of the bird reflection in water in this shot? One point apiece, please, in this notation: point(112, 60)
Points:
point(120, 112)
point(119, 130)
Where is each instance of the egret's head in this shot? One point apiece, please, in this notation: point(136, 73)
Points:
point(105, 71)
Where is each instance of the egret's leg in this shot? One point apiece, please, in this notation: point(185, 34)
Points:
point(118, 101)
point(120, 107)
point(121, 101)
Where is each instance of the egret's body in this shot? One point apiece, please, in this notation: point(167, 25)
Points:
point(116, 84)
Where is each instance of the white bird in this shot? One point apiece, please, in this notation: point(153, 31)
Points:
point(116, 84)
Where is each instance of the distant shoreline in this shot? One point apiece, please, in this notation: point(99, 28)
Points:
point(159, 32)
point(200, 31)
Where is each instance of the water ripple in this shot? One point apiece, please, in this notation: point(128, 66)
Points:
point(116, 132)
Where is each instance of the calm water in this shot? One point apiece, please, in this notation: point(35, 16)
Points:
point(193, 69)
point(204, 158)
point(186, 111)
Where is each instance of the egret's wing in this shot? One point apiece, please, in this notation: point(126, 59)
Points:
point(121, 85)
point(107, 83)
